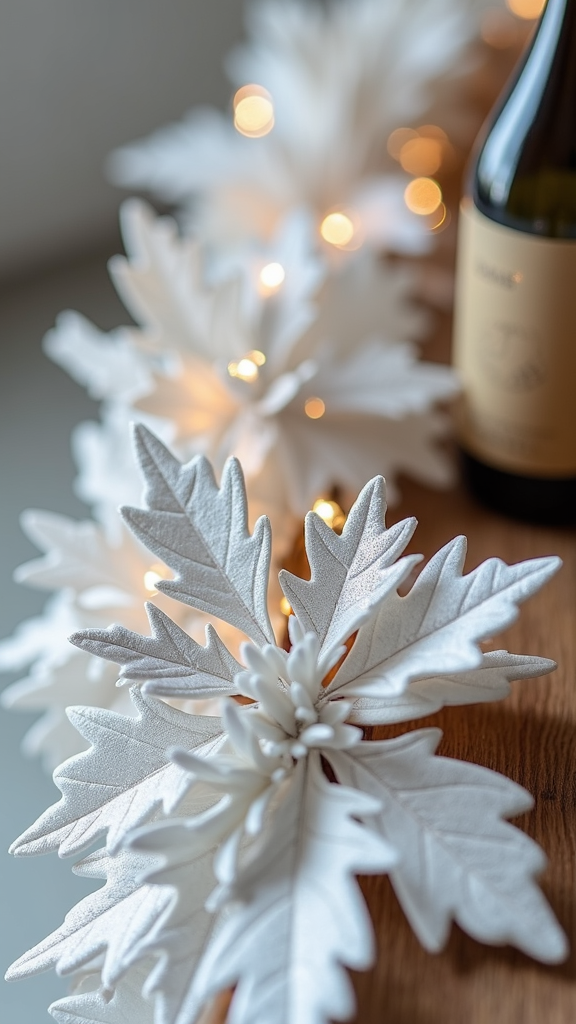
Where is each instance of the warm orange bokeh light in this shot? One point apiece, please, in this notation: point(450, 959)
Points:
point(314, 408)
point(423, 196)
point(330, 512)
point(253, 111)
point(440, 218)
point(527, 9)
point(421, 156)
point(337, 229)
point(397, 139)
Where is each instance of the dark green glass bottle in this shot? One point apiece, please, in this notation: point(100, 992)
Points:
point(515, 317)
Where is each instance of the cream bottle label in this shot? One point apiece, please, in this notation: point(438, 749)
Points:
point(515, 347)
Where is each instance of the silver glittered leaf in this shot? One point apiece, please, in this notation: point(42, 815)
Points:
point(459, 860)
point(348, 572)
point(109, 922)
point(124, 777)
point(170, 661)
point(491, 681)
point(201, 532)
point(436, 627)
point(93, 1007)
point(289, 930)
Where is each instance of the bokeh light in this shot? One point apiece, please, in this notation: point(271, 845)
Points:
point(423, 196)
point(440, 219)
point(526, 9)
point(153, 576)
point(253, 111)
point(421, 156)
point(314, 408)
point(272, 276)
point(397, 139)
point(330, 512)
point(337, 228)
point(245, 369)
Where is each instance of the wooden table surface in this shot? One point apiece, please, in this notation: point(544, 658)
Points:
point(530, 737)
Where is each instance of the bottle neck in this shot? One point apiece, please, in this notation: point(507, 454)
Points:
point(534, 131)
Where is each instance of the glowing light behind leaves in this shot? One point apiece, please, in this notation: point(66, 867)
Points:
point(253, 111)
point(423, 196)
point(314, 408)
point(272, 276)
point(526, 9)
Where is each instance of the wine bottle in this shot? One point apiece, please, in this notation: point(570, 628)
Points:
point(515, 315)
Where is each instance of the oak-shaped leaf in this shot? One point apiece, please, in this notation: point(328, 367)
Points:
point(460, 860)
point(201, 531)
point(95, 1007)
point(348, 572)
point(109, 922)
point(491, 681)
point(171, 662)
point(123, 779)
point(177, 940)
point(297, 914)
point(436, 628)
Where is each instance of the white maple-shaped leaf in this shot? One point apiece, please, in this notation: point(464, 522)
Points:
point(491, 681)
point(110, 922)
point(201, 531)
point(122, 779)
point(171, 661)
point(435, 629)
point(301, 917)
point(348, 574)
point(127, 1005)
point(460, 860)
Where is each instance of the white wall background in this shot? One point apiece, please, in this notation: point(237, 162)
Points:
point(77, 78)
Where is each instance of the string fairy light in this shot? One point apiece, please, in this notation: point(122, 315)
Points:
point(423, 196)
point(331, 512)
point(153, 576)
point(528, 10)
point(272, 276)
point(247, 368)
point(337, 229)
point(253, 111)
point(314, 408)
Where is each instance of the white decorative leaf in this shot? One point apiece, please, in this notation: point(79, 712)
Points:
point(436, 628)
point(348, 572)
point(124, 777)
point(110, 922)
point(425, 696)
point(459, 860)
point(201, 532)
point(80, 555)
point(173, 664)
point(161, 282)
point(127, 1005)
point(106, 364)
point(301, 916)
point(178, 939)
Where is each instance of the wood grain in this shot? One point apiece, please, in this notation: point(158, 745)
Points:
point(529, 737)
